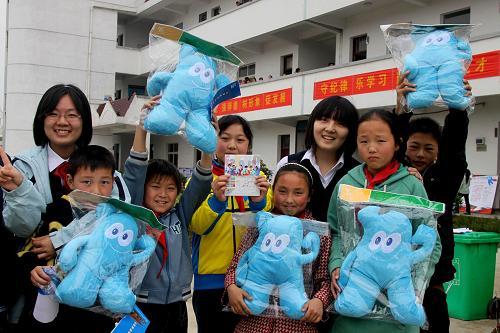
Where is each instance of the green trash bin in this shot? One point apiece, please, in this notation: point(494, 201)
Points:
point(472, 287)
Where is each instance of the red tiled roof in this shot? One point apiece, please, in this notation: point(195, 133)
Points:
point(100, 108)
point(120, 106)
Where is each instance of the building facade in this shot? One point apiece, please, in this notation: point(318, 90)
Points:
point(101, 46)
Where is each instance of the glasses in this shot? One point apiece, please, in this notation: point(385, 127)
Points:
point(70, 116)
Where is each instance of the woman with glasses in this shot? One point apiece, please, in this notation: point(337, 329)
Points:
point(35, 180)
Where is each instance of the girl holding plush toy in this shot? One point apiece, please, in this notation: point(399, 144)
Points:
point(215, 239)
point(292, 189)
point(378, 141)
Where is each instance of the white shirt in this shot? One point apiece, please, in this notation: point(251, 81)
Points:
point(309, 155)
point(54, 159)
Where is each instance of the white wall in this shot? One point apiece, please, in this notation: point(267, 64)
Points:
point(265, 140)
point(48, 47)
point(268, 59)
point(192, 17)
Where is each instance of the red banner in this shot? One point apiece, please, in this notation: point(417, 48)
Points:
point(482, 65)
point(356, 84)
point(267, 100)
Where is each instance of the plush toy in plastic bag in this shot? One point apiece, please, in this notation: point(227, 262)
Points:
point(188, 76)
point(383, 260)
point(387, 244)
point(275, 264)
point(437, 58)
point(98, 264)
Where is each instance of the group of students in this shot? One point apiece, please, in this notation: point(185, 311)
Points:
point(305, 185)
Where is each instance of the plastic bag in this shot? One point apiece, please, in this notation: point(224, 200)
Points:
point(105, 262)
point(276, 269)
point(437, 58)
point(387, 245)
point(189, 74)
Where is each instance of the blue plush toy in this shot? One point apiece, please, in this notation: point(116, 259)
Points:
point(436, 67)
point(383, 260)
point(98, 264)
point(186, 93)
point(275, 261)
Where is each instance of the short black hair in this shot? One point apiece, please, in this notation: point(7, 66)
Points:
point(49, 102)
point(158, 169)
point(391, 120)
point(226, 121)
point(92, 157)
point(427, 126)
point(295, 167)
point(341, 110)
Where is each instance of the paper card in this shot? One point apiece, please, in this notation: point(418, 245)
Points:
point(242, 171)
point(135, 322)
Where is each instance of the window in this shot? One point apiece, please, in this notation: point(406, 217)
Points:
point(247, 70)
point(138, 90)
point(151, 151)
point(215, 11)
point(119, 40)
point(116, 154)
point(240, 2)
point(461, 16)
point(284, 146)
point(173, 153)
point(202, 17)
point(358, 47)
point(287, 64)
point(179, 25)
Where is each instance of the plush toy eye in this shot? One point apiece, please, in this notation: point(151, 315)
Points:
point(196, 69)
point(377, 240)
point(267, 242)
point(281, 244)
point(114, 230)
point(207, 75)
point(391, 243)
point(126, 238)
point(442, 38)
point(428, 40)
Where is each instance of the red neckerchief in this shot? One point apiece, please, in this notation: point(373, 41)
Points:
point(382, 175)
point(61, 171)
point(162, 240)
point(218, 170)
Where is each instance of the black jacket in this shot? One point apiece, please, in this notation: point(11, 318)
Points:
point(320, 199)
point(442, 181)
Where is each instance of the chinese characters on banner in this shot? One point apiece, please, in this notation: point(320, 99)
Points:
point(357, 84)
point(267, 100)
point(482, 65)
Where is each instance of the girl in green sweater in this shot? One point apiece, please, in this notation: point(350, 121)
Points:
point(378, 142)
